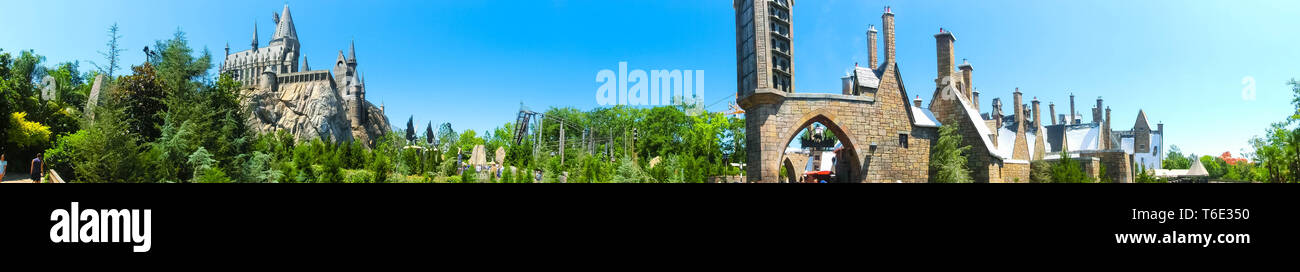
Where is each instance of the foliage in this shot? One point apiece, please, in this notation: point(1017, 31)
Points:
point(1176, 160)
point(1067, 170)
point(1040, 171)
point(948, 158)
point(26, 134)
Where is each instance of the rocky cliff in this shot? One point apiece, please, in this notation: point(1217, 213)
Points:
point(310, 110)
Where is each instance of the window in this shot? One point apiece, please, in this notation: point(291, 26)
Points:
point(902, 140)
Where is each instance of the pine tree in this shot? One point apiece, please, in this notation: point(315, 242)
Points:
point(948, 159)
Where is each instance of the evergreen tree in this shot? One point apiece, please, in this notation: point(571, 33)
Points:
point(948, 158)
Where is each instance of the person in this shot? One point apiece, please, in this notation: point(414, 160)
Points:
point(4, 165)
point(38, 167)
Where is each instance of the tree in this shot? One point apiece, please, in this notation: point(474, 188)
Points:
point(113, 54)
point(410, 129)
point(948, 158)
point(1067, 170)
point(140, 96)
point(1176, 160)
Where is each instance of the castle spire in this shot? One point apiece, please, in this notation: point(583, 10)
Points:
point(305, 67)
point(255, 43)
point(352, 51)
point(284, 28)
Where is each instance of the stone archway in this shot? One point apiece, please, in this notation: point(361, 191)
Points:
point(848, 167)
point(791, 174)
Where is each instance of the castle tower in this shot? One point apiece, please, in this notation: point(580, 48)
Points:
point(341, 72)
point(871, 48)
point(764, 50)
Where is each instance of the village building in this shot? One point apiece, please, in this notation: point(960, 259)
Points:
point(883, 136)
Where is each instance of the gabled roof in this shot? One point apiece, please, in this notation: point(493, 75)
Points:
point(285, 28)
point(975, 119)
point(1141, 121)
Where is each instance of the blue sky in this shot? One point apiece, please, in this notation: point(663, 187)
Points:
point(471, 63)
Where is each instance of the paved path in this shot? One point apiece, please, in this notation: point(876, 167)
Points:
point(17, 178)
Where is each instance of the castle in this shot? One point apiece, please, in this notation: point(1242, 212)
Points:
point(886, 139)
point(307, 103)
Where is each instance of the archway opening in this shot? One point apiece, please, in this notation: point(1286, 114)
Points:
point(832, 157)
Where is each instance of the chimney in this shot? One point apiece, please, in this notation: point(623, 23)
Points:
point(1105, 130)
point(1096, 113)
point(1070, 116)
point(888, 20)
point(1037, 121)
point(847, 81)
point(871, 47)
point(917, 102)
point(997, 111)
point(976, 100)
point(997, 118)
point(1020, 111)
point(1051, 109)
point(944, 48)
point(966, 70)
point(1160, 128)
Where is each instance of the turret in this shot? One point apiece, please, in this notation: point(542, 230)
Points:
point(255, 43)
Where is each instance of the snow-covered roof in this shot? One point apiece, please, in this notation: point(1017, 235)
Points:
point(1007, 141)
point(977, 121)
point(925, 118)
point(1082, 137)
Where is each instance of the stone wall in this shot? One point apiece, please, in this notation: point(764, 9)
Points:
point(1119, 166)
point(1015, 172)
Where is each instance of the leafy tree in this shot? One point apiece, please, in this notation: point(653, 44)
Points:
point(948, 158)
point(140, 96)
point(1176, 160)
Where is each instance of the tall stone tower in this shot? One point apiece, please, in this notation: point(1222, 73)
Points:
point(764, 51)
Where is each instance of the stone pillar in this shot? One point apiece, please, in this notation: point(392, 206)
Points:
point(871, 47)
